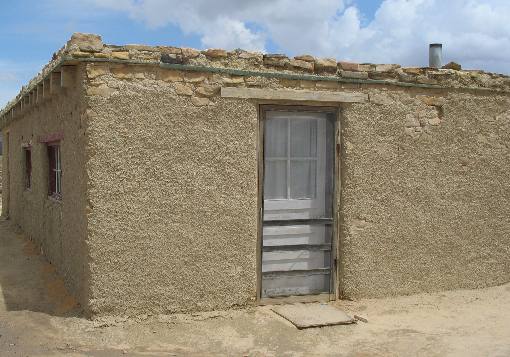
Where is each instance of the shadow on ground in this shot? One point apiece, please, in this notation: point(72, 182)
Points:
point(27, 280)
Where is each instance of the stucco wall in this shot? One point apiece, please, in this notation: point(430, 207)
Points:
point(426, 207)
point(58, 227)
point(173, 191)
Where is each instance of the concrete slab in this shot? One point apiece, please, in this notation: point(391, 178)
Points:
point(313, 315)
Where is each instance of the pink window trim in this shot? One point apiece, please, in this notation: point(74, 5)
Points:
point(51, 138)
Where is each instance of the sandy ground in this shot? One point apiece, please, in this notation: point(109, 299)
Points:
point(39, 318)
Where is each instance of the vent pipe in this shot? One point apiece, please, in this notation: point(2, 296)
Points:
point(435, 55)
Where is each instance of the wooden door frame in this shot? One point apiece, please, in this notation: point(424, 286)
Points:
point(335, 111)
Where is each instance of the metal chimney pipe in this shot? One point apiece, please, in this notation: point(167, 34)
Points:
point(435, 55)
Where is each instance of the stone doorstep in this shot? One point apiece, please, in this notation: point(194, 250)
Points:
point(308, 315)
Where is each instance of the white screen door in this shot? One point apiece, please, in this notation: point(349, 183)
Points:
point(298, 192)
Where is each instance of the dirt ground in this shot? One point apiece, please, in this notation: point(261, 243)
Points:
point(39, 318)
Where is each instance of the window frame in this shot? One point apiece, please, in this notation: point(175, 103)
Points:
point(54, 170)
point(27, 166)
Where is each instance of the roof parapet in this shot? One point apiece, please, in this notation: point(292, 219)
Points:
point(83, 47)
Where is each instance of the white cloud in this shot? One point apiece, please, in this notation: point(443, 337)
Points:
point(475, 33)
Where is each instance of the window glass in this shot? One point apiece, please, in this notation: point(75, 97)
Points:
point(302, 179)
point(303, 138)
point(276, 138)
point(275, 183)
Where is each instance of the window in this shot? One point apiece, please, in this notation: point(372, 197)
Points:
point(27, 153)
point(54, 171)
point(291, 156)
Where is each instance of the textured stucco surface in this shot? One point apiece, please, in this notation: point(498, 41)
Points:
point(173, 197)
point(57, 227)
point(173, 191)
point(425, 207)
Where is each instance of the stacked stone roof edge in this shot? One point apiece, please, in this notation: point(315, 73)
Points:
point(89, 47)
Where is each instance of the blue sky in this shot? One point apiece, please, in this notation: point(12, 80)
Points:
point(476, 33)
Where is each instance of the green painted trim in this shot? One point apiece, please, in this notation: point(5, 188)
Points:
point(290, 76)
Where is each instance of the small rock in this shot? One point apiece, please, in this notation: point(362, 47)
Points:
point(215, 53)
point(171, 58)
point(86, 42)
point(233, 80)
point(101, 55)
point(326, 65)
point(182, 89)
point(348, 66)
point(122, 55)
point(413, 70)
point(207, 90)
point(306, 58)
point(300, 64)
point(366, 67)
point(251, 55)
point(453, 65)
point(386, 67)
point(275, 60)
point(190, 53)
point(170, 50)
point(80, 54)
point(194, 77)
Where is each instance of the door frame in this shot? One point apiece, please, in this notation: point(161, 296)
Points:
point(335, 111)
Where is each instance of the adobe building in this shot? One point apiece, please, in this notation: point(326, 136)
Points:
point(163, 179)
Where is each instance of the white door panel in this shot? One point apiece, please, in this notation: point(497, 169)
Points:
point(294, 235)
point(295, 284)
point(281, 260)
point(296, 256)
